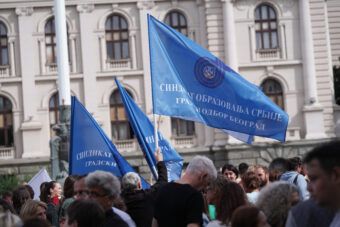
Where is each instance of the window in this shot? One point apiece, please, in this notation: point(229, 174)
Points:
point(177, 21)
point(3, 45)
point(266, 27)
point(181, 127)
point(120, 126)
point(117, 37)
point(50, 41)
point(6, 123)
point(54, 112)
point(273, 90)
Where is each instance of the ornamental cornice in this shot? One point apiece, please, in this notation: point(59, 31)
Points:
point(24, 11)
point(85, 8)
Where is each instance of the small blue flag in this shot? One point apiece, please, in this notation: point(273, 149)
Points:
point(190, 83)
point(144, 131)
point(91, 149)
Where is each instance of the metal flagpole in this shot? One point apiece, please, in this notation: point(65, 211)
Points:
point(156, 140)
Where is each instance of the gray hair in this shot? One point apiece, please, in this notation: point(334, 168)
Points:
point(10, 220)
point(106, 181)
point(201, 164)
point(131, 181)
point(275, 201)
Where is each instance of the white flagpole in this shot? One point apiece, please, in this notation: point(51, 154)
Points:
point(156, 140)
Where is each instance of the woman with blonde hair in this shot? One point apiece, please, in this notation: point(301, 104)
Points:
point(33, 209)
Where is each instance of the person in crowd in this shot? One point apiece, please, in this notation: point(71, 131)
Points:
point(43, 193)
point(251, 185)
point(276, 168)
point(8, 219)
point(229, 197)
point(5, 206)
point(8, 195)
point(293, 176)
point(309, 214)
point(140, 202)
point(104, 188)
point(323, 168)
point(20, 196)
point(276, 199)
point(242, 168)
point(33, 209)
point(30, 190)
point(80, 190)
point(85, 213)
point(263, 174)
point(180, 203)
point(249, 216)
point(230, 172)
point(211, 194)
point(53, 193)
point(36, 222)
point(65, 201)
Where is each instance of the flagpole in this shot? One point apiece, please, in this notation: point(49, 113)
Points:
point(156, 140)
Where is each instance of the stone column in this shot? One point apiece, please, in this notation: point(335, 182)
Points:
point(73, 53)
point(282, 28)
point(230, 58)
point(88, 47)
point(42, 52)
point(30, 128)
point(144, 7)
point(103, 54)
point(133, 50)
point(313, 111)
point(11, 55)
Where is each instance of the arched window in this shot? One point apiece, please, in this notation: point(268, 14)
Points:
point(54, 112)
point(273, 90)
point(120, 126)
point(177, 21)
point(50, 42)
point(3, 45)
point(6, 122)
point(181, 127)
point(266, 27)
point(117, 37)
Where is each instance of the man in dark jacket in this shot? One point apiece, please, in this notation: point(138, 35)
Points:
point(140, 202)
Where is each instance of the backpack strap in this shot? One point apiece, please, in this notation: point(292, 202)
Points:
point(295, 179)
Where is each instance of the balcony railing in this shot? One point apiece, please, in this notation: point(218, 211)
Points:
point(125, 145)
point(4, 71)
point(118, 64)
point(7, 152)
point(184, 141)
point(268, 54)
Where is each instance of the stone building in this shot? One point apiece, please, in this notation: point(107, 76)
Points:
point(286, 46)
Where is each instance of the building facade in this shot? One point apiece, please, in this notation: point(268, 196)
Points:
point(288, 47)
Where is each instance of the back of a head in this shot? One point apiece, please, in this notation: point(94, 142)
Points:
point(30, 190)
point(294, 163)
point(327, 154)
point(109, 183)
point(251, 181)
point(279, 164)
point(68, 186)
point(130, 181)
point(201, 164)
point(243, 167)
point(4, 206)
point(20, 196)
point(86, 213)
point(245, 216)
point(10, 220)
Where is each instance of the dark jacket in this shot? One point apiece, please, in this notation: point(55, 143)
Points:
point(112, 219)
point(140, 203)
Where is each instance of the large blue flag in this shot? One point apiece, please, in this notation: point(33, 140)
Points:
point(91, 149)
point(144, 131)
point(188, 82)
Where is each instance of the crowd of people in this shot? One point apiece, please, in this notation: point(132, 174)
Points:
point(289, 192)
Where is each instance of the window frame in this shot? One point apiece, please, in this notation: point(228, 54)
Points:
point(55, 110)
point(269, 30)
point(274, 96)
point(5, 111)
point(4, 36)
point(178, 122)
point(179, 27)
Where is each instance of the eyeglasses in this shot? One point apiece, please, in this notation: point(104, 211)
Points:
point(94, 194)
point(81, 193)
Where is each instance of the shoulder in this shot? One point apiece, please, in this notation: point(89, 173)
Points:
point(215, 223)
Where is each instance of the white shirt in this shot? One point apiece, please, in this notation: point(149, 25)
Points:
point(336, 220)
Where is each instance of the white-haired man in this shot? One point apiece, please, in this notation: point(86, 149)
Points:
point(140, 202)
point(104, 188)
point(180, 203)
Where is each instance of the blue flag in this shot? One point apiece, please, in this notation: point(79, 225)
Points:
point(188, 82)
point(144, 131)
point(91, 149)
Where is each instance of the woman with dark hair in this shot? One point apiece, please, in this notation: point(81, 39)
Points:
point(251, 185)
point(53, 192)
point(248, 216)
point(230, 196)
point(230, 172)
point(67, 199)
point(20, 196)
point(84, 213)
point(43, 193)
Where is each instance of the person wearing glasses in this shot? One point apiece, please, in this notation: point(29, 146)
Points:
point(104, 188)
